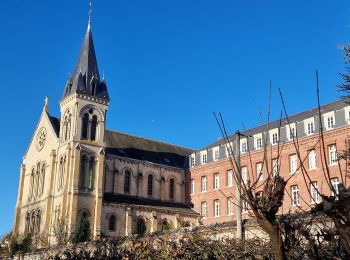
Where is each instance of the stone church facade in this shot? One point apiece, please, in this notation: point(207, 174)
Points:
point(76, 168)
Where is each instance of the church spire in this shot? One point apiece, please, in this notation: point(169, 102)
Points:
point(86, 77)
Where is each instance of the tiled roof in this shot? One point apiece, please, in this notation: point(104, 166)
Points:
point(145, 149)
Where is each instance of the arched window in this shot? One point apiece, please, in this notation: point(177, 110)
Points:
point(150, 185)
point(171, 189)
point(36, 180)
point(112, 223)
point(140, 226)
point(83, 170)
point(38, 222)
point(91, 174)
point(127, 176)
point(42, 179)
point(33, 223)
point(60, 177)
point(31, 190)
point(27, 224)
point(85, 126)
point(93, 127)
point(67, 126)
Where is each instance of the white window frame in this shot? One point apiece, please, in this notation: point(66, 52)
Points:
point(216, 153)
point(193, 160)
point(308, 129)
point(274, 138)
point(293, 163)
point(228, 149)
point(192, 186)
point(335, 183)
point(204, 157)
point(244, 145)
point(329, 120)
point(291, 129)
point(258, 171)
point(245, 206)
point(230, 206)
point(347, 114)
point(204, 184)
point(216, 208)
point(216, 181)
point(312, 159)
point(332, 154)
point(229, 178)
point(295, 195)
point(258, 141)
point(315, 198)
point(204, 209)
point(244, 172)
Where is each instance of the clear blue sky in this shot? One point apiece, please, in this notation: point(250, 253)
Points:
point(168, 65)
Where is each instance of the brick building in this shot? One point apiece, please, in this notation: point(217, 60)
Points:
point(212, 187)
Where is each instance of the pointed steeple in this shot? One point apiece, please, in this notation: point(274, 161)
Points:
point(86, 77)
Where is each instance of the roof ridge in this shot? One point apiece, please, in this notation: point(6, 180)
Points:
point(148, 139)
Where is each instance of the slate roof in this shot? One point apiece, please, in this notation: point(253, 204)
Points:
point(145, 149)
point(86, 77)
point(55, 122)
point(159, 204)
point(292, 118)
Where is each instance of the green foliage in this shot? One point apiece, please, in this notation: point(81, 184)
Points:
point(82, 232)
point(166, 226)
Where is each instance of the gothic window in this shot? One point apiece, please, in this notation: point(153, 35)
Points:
point(67, 126)
point(38, 222)
point(171, 189)
point(127, 176)
point(33, 223)
point(150, 185)
point(112, 223)
point(89, 125)
point(42, 179)
point(91, 174)
point(31, 190)
point(27, 224)
point(93, 127)
point(87, 172)
point(60, 176)
point(84, 134)
point(36, 180)
point(82, 171)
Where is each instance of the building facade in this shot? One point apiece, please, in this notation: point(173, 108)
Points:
point(212, 185)
point(75, 168)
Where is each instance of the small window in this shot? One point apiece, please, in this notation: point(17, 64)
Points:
point(310, 128)
point(112, 223)
point(293, 163)
point(330, 122)
point(230, 206)
point(291, 135)
point(314, 192)
point(127, 176)
point(312, 160)
point(332, 153)
point(204, 209)
point(171, 189)
point(216, 154)
point(93, 127)
point(216, 208)
point(229, 178)
point(244, 146)
point(84, 134)
point(193, 161)
point(258, 143)
point(204, 158)
point(295, 195)
point(216, 181)
point(274, 138)
point(244, 172)
point(259, 174)
point(150, 185)
point(335, 183)
point(204, 183)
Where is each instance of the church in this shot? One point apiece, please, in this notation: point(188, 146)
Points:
point(74, 167)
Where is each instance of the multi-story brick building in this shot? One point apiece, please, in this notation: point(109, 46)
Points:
point(212, 187)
